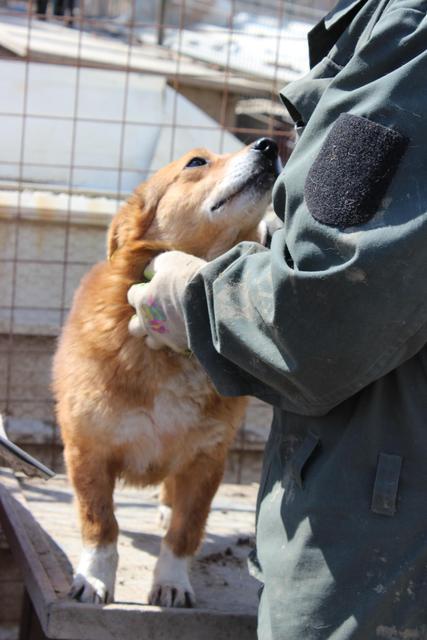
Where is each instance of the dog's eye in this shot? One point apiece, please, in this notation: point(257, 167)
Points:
point(196, 162)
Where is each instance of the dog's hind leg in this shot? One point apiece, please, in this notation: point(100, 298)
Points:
point(193, 490)
point(93, 480)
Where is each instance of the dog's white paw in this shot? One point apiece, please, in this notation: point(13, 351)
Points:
point(174, 595)
point(171, 585)
point(90, 589)
point(96, 575)
point(164, 517)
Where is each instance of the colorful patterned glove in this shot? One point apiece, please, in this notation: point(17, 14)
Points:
point(158, 303)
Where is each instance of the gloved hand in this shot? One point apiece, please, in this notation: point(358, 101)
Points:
point(158, 303)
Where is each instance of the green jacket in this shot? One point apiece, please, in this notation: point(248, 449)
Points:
point(330, 327)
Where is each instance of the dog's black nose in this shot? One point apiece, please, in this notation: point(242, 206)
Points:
point(267, 146)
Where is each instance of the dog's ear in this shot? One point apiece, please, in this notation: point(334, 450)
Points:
point(115, 232)
point(131, 222)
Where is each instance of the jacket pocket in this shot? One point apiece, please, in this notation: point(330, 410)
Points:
point(351, 174)
point(384, 497)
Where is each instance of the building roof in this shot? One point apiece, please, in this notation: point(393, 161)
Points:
point(194, 65)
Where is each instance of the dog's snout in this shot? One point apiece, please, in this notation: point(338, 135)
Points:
point(267, 147)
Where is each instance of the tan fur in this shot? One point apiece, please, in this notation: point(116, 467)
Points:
point(125, 410)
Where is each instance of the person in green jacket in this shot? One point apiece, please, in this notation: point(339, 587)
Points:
point(329, 325)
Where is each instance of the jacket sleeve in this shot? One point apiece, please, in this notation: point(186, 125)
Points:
point(340, 298)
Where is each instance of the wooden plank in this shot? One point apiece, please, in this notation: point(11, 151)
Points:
point(26, 542)
point(64, 619)
point(11, 588)
point(30, 628)
point(219, 572)
point(27, 613)
point(75, 621)
point(9, 571)
point(10, 602)
point(43, 545)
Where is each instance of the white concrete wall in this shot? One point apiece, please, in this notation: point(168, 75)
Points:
point(65, 126)
point(47, 243)
point(96, 129)
point(186, 127)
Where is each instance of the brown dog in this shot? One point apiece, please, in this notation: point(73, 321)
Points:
point(146, 416)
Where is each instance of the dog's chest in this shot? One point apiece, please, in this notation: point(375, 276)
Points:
point(170, 415)
point(176, 424)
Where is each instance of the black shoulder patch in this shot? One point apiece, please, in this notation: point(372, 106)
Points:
point(351, 174)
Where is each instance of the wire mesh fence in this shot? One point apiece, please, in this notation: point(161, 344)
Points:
point(95, 96)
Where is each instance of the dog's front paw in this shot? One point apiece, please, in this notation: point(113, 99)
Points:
point(96, 575)
point(171, 585)
point(90, 589)
point(172, 595)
